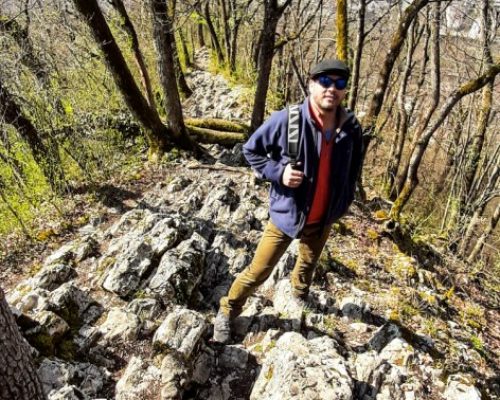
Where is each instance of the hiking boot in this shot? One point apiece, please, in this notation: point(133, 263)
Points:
point(222, 328)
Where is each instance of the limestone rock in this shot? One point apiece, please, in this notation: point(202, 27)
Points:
point(461, 387)
point(174, 376)
point(68, 392)
point(180, 270)
point(56, 374)
point(129, 258)
point(140, 380)
point(52, 276)
point(181, 332)
point(120, 326)
point(298, 368)
point(74, 305)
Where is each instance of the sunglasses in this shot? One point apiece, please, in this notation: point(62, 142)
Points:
point(327, 82)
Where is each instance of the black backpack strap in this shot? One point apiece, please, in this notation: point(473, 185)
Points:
point(293, 132)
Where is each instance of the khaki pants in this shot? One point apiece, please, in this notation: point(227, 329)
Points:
point(270, 249)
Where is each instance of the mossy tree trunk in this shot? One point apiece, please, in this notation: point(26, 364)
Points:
point(397, 41)
point(128, 27)
point(342, 30)
point(18, 376)
point(162, 25)
point(45, 155)
point(411, 180)
point(182, 85)
point(356, 65)
point(157, 134)
point(272, 15)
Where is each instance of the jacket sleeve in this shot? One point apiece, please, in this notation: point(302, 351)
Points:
point(265, 149)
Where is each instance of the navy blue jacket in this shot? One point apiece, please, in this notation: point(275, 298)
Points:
point(266, 152)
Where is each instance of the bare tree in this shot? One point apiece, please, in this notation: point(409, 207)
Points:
point(162, 25)
point(272, 15)
point(128, 27)
point(411, 180)
point(157, 134)
point(18, 376)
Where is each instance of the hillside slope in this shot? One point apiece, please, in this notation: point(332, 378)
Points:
point(123, 310)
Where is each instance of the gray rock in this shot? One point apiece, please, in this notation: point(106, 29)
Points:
point(290, 309)
point(129, 258)
point(232, 357)
point(298, 368)
point(140, 380)
point(52, 276)
point(174, 376)
point(61, 255)
point(353, 307)
point(202, 365)
point(120, 326)
point(73, 304)
point(48, 334)
point(180, 270)
point(68, 392)
point(218, 205)
point(382, 336)
point(56, 374)
point(27, 300)
point(145, 309)
point(180, 332)
point(461, 387)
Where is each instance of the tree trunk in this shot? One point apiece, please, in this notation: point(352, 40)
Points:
point(376, 102)
point(342, 30)
point(18, 376)
point(127, 25)
point(46, 157)
point(411, 180)
point(402, 126)
point(184, 49)
point(473, 152)
point(213, 34)
point(156, 132)
point(487, 232)
point(272, 14)
point(182, 85)
point(356, 66)
point(162, 26)
point(435, 67)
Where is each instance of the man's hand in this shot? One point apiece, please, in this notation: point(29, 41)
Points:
point(292, 178)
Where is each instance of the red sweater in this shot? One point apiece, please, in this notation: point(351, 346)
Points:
point(322, 192)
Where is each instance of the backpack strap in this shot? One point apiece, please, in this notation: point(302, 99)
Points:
point(293, 132)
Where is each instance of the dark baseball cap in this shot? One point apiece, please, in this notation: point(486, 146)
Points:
point(335, 67)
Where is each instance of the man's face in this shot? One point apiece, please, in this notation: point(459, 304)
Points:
point(327, 91)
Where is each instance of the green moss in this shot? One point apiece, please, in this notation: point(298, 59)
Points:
point(477, 343)
point(67, 350)
point(43, 342)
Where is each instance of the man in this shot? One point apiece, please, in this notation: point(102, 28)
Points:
point(306, 197)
